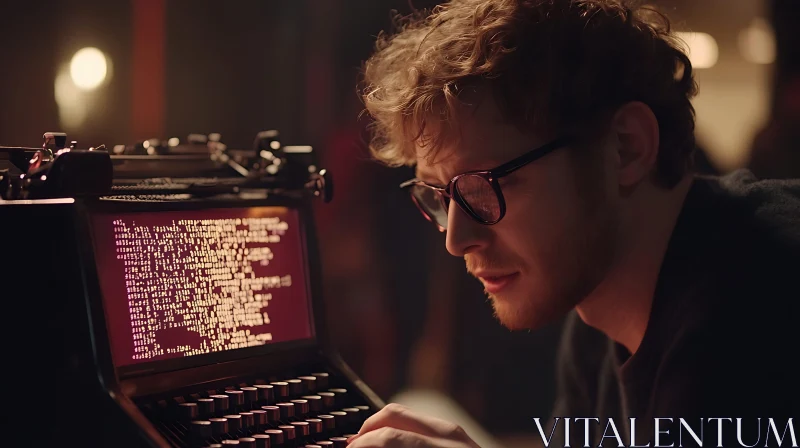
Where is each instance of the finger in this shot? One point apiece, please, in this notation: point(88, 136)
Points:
point(400, 417)
point(388, 437)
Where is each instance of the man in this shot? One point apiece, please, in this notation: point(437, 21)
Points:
point(553, 142)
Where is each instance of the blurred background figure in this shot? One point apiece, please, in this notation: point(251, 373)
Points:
point(775, 148)
point(404, 313)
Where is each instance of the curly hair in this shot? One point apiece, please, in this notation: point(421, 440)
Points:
point(556, 66)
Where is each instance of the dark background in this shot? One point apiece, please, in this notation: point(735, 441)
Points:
point(402, 311)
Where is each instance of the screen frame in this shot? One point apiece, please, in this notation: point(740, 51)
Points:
point(88, 208)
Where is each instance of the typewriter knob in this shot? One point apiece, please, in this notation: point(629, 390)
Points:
point(54, 140)
point(266, 141)
point(197, 139)
point(152, 146)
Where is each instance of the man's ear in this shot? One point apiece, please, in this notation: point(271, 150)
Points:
point(636, 128)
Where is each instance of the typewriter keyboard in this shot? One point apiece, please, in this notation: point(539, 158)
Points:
point(313, 410)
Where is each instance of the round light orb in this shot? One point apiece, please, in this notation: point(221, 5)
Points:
point(88, 68)
point(703, 49)
point(757, 42)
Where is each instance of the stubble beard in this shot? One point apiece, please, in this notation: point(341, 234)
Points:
point(576, 267)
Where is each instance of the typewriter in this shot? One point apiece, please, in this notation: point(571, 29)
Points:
point(167, 294)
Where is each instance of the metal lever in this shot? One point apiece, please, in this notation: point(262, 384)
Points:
point(321, 185)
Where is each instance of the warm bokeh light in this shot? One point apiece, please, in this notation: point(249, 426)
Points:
point(703, 49)
point(88, 68)
point(72, 108)
point(757, 42)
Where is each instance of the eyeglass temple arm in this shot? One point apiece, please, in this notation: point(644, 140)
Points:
point(538, 153)
point(415, 181)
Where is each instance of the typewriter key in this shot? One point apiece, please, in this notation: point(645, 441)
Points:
point(339, 442)
point(328, 424)
point(287, 411)
point(250, 397)
point(248, 420)
point(262, 440)
point(322, 380)
point(221, 404)
point(259, 419)
point(309, 383)
point(300, 408)
point(289, 435)
point(200, 430)
point(341, 396)
point(266, 394)
point(234, 423)
point(276, 437)
point(236, 399)
point(188, 411)
point(219, 426)
point(273, 413)
point(342, 419)
point(328, 399)
point(314, 403)
point(247, 442)
point(281, 389)
point(314, 426)
point(295, 387)
point(206, 407)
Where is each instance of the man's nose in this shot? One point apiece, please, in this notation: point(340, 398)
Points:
point(464, 234)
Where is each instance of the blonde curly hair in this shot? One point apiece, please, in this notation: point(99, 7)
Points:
point(557, 66)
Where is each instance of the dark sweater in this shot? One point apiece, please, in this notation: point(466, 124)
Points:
point(722, 337)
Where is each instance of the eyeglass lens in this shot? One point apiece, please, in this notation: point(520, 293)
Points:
point(477, 195)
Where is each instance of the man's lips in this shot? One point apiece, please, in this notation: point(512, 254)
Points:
point(495, 282)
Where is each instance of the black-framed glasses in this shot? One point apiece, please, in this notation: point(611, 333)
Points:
point(477, 193)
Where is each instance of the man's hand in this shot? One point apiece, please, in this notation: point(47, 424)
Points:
point(397, 426)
